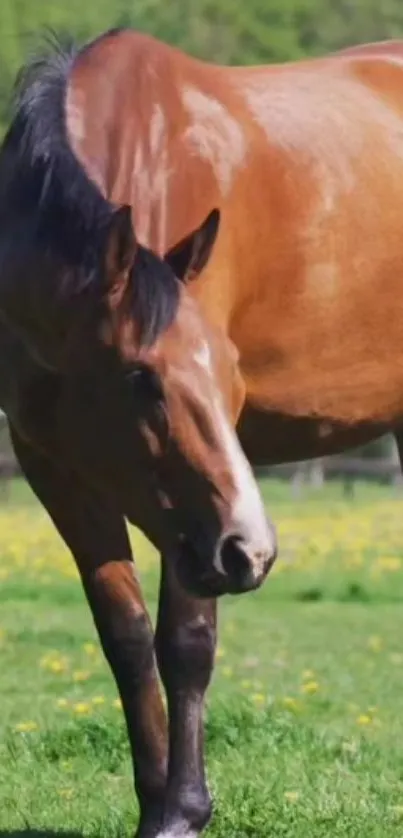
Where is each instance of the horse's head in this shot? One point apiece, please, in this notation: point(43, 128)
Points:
point(187, 395)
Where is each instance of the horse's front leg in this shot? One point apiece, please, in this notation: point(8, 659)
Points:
point(185, 645)
point(97, 538)
point(127, 639)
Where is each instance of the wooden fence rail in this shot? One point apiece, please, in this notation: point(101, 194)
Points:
point(380, 468)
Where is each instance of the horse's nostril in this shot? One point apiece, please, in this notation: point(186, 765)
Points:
point(235, 562)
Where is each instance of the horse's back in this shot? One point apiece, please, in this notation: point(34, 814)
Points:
point(392, 48)
point(305, 160)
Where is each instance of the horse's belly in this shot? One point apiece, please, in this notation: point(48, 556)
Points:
point(270, 438)
point(333, 353)
point(351, 392)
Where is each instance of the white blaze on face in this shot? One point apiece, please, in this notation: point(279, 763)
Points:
point(248, 517)
point(214, 135)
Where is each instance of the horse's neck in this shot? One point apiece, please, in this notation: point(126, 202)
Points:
point(159, 139)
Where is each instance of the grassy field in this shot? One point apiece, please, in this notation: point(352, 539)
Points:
point(305, 715)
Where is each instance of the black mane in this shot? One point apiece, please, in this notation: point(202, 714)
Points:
point(43, 184)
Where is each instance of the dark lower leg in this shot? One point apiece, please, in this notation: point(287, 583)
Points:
point(128, 643)
point(185, 643)
point(98, 540)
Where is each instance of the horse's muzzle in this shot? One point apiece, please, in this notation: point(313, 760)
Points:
point(237, 568)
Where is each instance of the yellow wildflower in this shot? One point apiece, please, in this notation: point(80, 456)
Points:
point(98, 700)
point(82, 708)
point(90, 649)
point(117, 703)
point(291, 796)
point(390, 563)
point(290, 703)
point(308, 675)
point(81, 675)
point(375, 643)
point(26, 727)
point(364, 719)
point(56, 666)
point(310, 687)
point(53, 662)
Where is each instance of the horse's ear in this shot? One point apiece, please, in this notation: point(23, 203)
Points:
point(188, 258)
point(120, 247)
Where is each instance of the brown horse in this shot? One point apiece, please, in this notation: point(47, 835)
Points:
point(261, 288)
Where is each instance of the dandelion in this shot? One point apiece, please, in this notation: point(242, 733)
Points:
point(310, 687)
point(220, 652)
point(375, 643)
point(389, 563)
point(258, 698)
point(53, 662)
point(98, 700)
point(291, 796)
point(364, 719)
point(82, 708)
point(308, 675)
point(56, 666)
point(81, 675)
point(26, 727)
point(290, 703)
point(117, 703)
point(90, 649)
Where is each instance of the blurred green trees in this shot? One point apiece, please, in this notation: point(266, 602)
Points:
point(226, 31)
point(223, 30)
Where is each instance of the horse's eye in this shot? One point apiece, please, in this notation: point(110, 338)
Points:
point(145, 381)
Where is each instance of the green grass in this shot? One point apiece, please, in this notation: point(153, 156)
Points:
point(305, 714)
